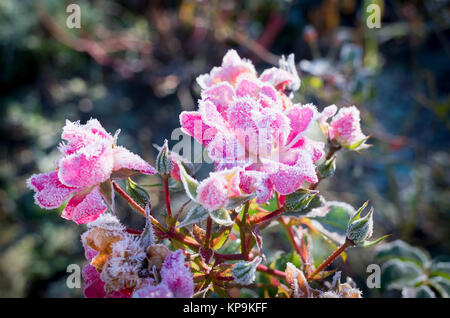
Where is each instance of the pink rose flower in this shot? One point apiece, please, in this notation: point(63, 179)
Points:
point(344, 128)
point(89, 158)
point(248, 124)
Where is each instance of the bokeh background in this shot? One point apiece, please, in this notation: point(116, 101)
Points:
point(133, 66)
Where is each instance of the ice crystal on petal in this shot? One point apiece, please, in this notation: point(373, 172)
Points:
point(214, 192)
point(345, 126)
point(50, 192)
point(232, 69)
point(85, 207)
point(123, 158)
point(177, 276)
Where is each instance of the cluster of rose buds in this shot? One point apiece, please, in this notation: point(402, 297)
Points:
point(264, 147)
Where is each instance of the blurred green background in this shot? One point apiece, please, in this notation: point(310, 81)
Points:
point(133, 66)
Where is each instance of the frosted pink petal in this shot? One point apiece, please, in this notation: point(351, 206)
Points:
point(222, 95)
point(212, 193)
point(240, 115)
point(93, 285)
point(300, 118)
point(50, 192)
point(193, 125)
point(85, 206)
point(86, 168)
point(211, 116)
point(345, 126)
point(177, 276)
point(247, 88)
point(123, 158)
point(232, 69)
point(259, 182)
point(225, 150)
point(287, 179)
point(277, 77)
point(79, 136)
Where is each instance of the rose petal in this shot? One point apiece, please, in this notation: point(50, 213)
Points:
point(177, 276)
point(123, 158)
point(50, 192)
point(85, 206)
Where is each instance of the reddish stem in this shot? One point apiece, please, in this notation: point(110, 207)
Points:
point(269, 216)
point(331, 258)
point(271, 271)
point(172, 234)
point(230, 257)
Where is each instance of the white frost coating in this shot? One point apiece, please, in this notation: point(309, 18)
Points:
point(244, 272)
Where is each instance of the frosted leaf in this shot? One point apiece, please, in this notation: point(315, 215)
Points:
point(244, 272)
point(195, 215)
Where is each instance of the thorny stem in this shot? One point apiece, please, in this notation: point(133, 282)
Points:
point(172, 234)
point(332, 257)
point(269, 216)
point(167, 195)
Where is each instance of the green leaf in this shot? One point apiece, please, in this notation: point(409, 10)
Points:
point(317, 202)
point(164, 164)
point(196, 214)
point(441, 285)
point(221, 238)
point(282, 259)
point(402, 251)
point(189, 183)
point(424, 292)
point(397, 274)
point(299, 200)
point(137, 193)
point(439, 268)
point(244, 272)
point(334, 224)
point(372, 243)
point(237, 201)
point(221, 217)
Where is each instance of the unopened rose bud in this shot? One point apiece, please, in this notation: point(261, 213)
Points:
point(164, 164)
point(156, 254)
point(361, 230)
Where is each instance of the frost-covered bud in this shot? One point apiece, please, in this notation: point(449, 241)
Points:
point(156, 254)
point(244, 272)
point(360, 229)
point(164, 164)
point(346, 130)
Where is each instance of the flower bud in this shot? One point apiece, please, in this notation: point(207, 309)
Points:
point(164, 164)
point(360, 229)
